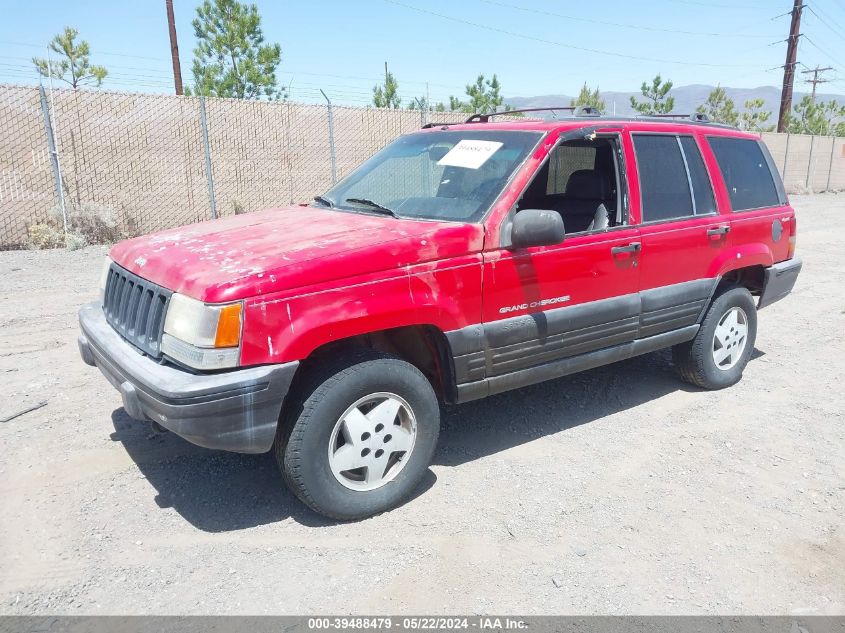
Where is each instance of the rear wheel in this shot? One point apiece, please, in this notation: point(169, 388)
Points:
point(718, 354)
point(359, 436)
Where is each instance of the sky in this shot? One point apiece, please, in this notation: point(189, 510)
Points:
point(536, 47)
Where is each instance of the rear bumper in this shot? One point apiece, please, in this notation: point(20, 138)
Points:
point(778, 281)
point(233, 411)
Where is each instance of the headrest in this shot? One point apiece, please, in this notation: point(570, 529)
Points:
point(587, 184)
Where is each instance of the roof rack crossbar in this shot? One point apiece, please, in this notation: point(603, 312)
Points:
point(576, 111)
point(435, 124)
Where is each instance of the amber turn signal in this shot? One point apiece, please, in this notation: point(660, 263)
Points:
point(229, 326)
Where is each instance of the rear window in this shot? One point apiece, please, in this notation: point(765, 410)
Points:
point(745, 170)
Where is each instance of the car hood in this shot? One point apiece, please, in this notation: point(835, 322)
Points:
point(281, 249)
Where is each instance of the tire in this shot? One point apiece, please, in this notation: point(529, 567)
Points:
point(326, 424)
point(709, 363)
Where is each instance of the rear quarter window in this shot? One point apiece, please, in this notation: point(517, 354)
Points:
point(746, 172)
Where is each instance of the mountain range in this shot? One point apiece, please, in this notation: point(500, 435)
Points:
point(687, 99)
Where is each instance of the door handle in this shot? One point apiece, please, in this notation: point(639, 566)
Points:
point(633, 247)
point(719, 230)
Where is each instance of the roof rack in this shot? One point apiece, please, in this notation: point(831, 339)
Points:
point(578, 111)
point(589, 112)
point(697, 117)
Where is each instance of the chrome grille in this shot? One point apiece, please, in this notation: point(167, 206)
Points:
point(135, 308)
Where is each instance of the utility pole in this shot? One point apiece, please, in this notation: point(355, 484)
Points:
point(174, 48)
point(789, 66)
point(815, 80)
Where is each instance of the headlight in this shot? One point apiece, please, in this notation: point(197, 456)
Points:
point(104, 277)
point(202, 336)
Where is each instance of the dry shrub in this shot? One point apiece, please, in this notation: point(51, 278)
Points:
point(43, 235)
point(87, 224)
point(96, 223)
point(75, 241)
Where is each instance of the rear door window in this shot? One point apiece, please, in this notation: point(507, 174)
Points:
point(664, 184)
point(746, 172)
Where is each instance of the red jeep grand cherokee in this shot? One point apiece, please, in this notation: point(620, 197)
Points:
point(460, 261)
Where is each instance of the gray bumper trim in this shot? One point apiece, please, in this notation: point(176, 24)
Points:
point(779, 281)
point(234, 411)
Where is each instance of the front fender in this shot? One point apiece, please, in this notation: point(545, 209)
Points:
point(292, 327)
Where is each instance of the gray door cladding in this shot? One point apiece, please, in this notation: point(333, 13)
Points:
point(525, 349)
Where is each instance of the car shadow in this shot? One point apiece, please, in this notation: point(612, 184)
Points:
point(217, 491)
point(485, 427)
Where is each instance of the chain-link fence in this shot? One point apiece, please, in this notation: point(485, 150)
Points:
point(157, 161)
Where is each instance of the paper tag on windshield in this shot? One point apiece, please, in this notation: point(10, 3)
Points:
point(470, 154)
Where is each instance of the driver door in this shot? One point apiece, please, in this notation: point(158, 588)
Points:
point(547, 303)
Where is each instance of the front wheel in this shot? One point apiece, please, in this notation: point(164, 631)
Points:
point(359, 436)
point(718, 354)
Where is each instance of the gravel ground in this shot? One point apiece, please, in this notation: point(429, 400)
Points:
point(620, 490)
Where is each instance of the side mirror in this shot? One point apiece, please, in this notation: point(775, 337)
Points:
point(537, 227)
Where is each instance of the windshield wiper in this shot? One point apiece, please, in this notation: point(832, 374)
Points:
point(324, 201)
point(375, 206)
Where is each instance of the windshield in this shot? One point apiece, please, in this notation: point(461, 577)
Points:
point(440, 175)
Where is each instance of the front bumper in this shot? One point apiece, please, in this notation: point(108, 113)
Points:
point(778, 281)
point(233, 411)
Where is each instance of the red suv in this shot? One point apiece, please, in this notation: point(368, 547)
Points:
point(460, 261)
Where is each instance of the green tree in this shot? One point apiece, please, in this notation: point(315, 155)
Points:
point(485, 97)
point(418, 103)
point(456, 105)
point(719, 107)
point(754, 118)
point(588, 98)
point(73, 65)
point(231, 58)
point(823, 119)
point(657, 99)
point(387, 96)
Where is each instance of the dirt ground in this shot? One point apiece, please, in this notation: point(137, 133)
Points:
point(620, 490)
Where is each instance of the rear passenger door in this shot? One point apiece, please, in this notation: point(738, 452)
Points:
point(681, 230)
point(761, 215)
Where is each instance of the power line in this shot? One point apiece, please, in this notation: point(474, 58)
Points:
point(27, 62)
point(561, 44)
point(827, 21)
point(836, 34)
point(99, 52)
point(121, 82)
point(616, 24)
point(32, 71)
point(166, 75)
point(822, 51)
point(722, 6)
